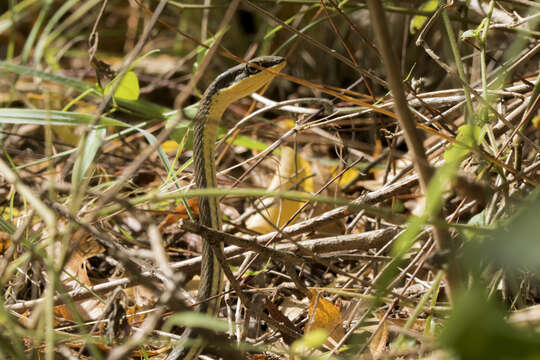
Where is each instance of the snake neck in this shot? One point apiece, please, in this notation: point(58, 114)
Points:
point(205, 135)
point(204, 140)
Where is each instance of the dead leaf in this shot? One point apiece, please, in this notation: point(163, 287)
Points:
point(278, 316)
point(325, 315)
point(292, 308)
point(294, 173)
point(76, 267)
point(378, 345)
point(180, 213)
point(142, 299)
point(419, 325)
point(4, 241)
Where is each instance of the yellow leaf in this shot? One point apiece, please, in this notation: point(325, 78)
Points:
point(288, 124)
point(536, 122)
point(325, 315)
point(294, 173)
point(169, 145)
point(347, 177)
point(66, 134)
point(419, 20)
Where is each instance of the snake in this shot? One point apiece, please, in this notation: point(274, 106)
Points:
point(230, 86)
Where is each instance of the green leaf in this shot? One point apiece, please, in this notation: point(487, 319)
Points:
point(274, 30)
point(195, 319)
point(128, 89)
point(170, 174)
point(162, 156)
point(253, 272)
point(475, 33)
point(516, 242)
point(438, 184)
point(469, 34)
point(19, 11)
point(191, 110)
point(250, 143)
point(180, 130)
point(136, 62)
point(145, 109)
point(478, 220)
point(91, 146)
point(406, 239)
point(419, 20)
point(477, 329)
point(203, 50)
point(468, 136)
point(398, 206)
point(311, 340)
point(7, 226)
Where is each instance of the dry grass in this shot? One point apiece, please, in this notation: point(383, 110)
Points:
point(403, 224)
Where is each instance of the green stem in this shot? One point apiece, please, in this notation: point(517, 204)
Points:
point(483, 68)
point(457, 58)
point(420, 306)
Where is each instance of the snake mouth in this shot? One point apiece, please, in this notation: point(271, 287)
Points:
point(267, 62)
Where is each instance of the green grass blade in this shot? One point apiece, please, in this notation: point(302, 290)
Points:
point(53, 117)
point(59, 79)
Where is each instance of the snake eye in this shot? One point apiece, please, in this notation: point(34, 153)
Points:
point(251, 69)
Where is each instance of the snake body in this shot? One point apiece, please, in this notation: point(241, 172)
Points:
point(233, 84)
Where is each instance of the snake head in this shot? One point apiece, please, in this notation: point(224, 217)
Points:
point(244, 79)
